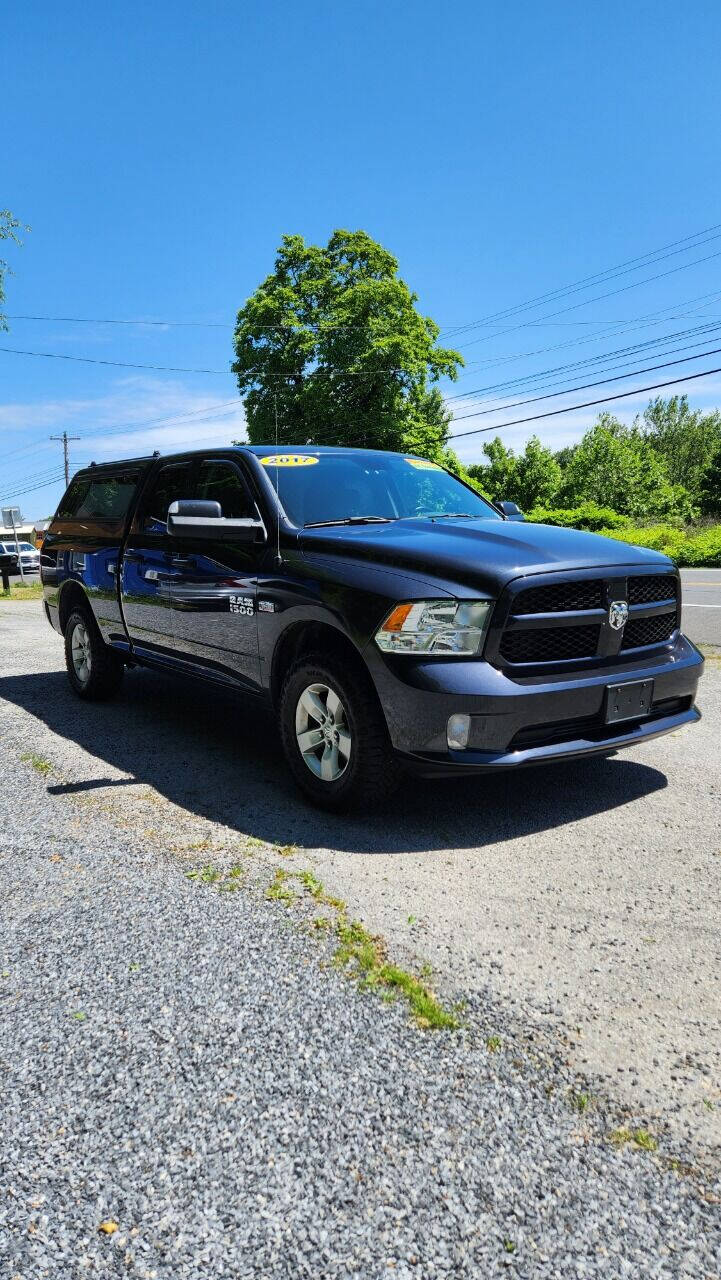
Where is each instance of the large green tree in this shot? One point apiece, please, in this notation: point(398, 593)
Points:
point(686, 438)
point(9, 227)
point(332, 346)
point(618, 466)
point(531, 478)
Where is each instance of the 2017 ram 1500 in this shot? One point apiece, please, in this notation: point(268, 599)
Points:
point(394, 618)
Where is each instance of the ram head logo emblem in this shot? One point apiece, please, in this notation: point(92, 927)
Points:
point(618, 614)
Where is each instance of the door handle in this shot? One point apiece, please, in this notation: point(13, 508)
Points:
point(182, 562)
point(133, 557)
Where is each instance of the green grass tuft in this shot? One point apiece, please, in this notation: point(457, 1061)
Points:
point(39, 763)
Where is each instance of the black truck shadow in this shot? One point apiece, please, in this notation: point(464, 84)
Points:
point(217, 755)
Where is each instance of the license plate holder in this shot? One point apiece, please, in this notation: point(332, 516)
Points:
point(631, 700)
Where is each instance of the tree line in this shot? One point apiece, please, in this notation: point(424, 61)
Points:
point(332, 349)
point(665, 465)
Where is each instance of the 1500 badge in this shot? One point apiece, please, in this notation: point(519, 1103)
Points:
point(242, 604)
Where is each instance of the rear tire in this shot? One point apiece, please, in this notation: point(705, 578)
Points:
point(94, 670)
point(334, 735)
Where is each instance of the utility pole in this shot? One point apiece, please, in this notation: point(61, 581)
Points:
point(65, 438)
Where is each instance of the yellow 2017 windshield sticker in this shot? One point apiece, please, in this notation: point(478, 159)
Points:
point(289, 460)
point(423, 465)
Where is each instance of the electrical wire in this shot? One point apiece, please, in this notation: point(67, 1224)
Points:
point(620, 268)
point(585, 386)
point(635, 349)
point(588, 404)
point(598, 297)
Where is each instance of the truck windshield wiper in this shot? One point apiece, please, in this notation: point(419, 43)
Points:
point(446, 515)
point(320, 524)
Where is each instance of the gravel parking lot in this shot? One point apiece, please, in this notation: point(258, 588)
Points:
point(185, 1062)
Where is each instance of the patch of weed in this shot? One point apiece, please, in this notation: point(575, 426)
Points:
point(364, 955)
point(579, 1102)
point(279, 891)
point(640, 1138)
point(493, 1043)
point(38, 763)
point(204, 875)
point(314, 888)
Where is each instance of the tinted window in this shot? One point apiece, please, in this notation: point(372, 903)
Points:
point(98, 498)
point(171, 483)
point(334, 486)
point(221, 482)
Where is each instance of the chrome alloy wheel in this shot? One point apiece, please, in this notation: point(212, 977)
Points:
point(322, 732)
point(80, 650)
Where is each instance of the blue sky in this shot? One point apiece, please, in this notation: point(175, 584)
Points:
point(160, 151)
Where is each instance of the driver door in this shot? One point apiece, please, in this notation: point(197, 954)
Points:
point(215, 585)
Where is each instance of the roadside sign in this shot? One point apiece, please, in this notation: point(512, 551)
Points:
point(11, 517)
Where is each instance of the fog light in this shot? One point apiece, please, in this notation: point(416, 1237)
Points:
point(459, 728)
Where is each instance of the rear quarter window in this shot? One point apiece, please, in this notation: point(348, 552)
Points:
point(105, 498)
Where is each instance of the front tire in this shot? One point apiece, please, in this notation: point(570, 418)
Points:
point(334, 735)
point(94, 670)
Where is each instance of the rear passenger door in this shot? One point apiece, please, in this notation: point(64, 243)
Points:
point(215, 588)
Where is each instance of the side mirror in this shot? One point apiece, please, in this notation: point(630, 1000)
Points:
point(510, 511)
point(200, 519)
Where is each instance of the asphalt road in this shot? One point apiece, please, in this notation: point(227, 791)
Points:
point(702, 605)
point(582, 899)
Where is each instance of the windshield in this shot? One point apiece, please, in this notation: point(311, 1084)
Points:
point(319, 488)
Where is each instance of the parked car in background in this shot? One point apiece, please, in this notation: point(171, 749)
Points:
point(29, 556)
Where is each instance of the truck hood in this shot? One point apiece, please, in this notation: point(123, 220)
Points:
point(480, 554)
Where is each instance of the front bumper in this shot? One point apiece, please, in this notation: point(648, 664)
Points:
point(526, 720)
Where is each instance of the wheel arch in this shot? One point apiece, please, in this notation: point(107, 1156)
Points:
point(72, 596)
point(306, 637)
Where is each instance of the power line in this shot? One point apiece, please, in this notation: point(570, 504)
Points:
point(584, 386)
point(588, 404)
point(640, 322)
point(634, 349)
point(162, 324)
point(116, 364)
point(18, 493)
point(161, 368)
point(598, 297)
point(575, 285)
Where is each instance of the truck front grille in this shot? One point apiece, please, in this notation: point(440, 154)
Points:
point(560, 597)
point(647, 590)
point(568, 620)
point(641, 631)
point(557, 644)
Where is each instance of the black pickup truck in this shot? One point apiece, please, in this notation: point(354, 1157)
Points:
point(394, 619)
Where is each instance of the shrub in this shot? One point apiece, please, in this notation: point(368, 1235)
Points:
point(588, 515)
point(686, 549)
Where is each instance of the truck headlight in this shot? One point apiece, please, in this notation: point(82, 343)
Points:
point(440, 628)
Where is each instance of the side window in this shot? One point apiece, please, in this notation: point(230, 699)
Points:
point(170, 483)
point(99, 497)
point(222, 482)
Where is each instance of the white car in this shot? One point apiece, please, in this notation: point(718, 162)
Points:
point(29, 555)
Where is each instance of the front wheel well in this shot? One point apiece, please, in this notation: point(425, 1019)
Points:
point(306, 638)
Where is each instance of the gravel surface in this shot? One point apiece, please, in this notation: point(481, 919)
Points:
point(187, 1064)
